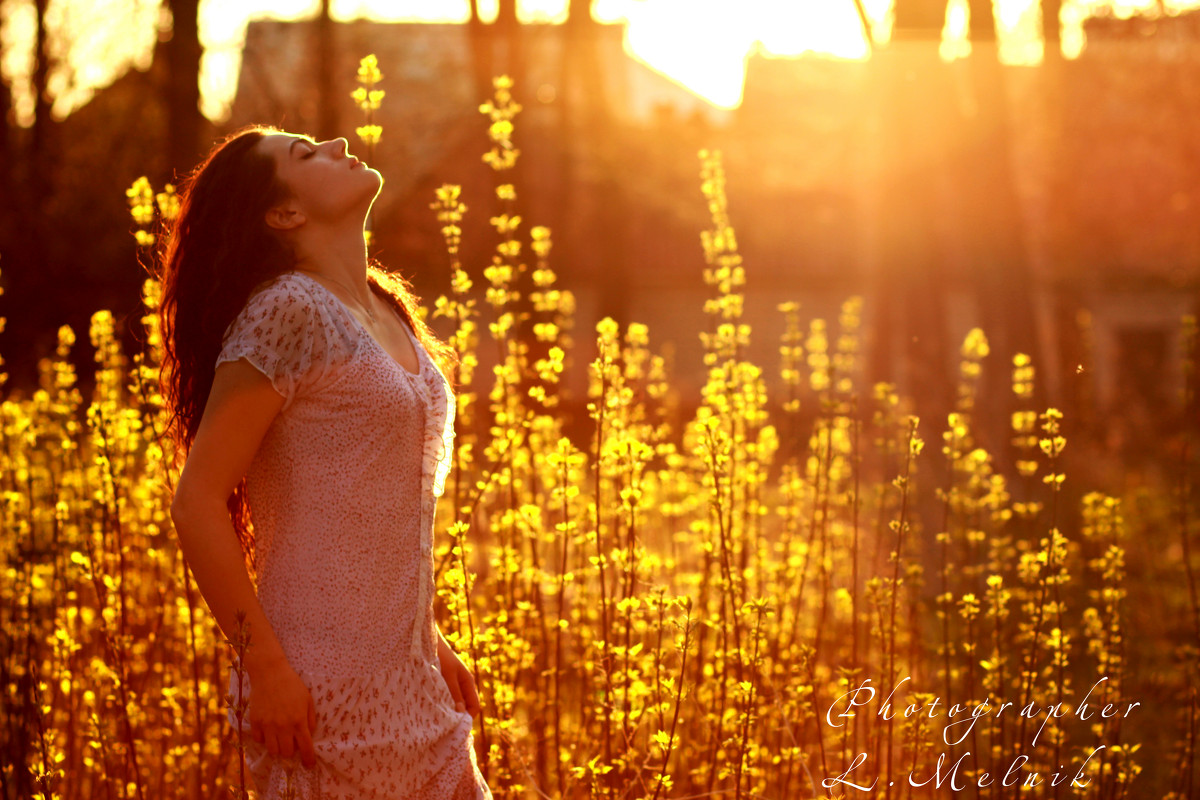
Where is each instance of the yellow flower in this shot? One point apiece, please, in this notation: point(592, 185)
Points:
point(368, 70)
point(975, 346)
point(369, 134)
point(168, 202)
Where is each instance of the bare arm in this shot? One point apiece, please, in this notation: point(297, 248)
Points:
point(240, 408)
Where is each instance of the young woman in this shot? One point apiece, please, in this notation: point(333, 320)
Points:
point(310, 400)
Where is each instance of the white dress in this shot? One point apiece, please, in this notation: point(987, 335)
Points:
point(342, 493)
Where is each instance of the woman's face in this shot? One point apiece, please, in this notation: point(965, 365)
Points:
point(327, 183)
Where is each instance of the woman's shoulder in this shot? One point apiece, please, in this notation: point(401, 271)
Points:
point(281, 285)
point(285, 331)
point(293, 305)
point(281, 304)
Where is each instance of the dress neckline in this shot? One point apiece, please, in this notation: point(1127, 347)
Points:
point(367, 334)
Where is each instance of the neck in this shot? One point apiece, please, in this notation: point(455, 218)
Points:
point(339, 254)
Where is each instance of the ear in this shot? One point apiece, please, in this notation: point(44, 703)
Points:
point(285, 217)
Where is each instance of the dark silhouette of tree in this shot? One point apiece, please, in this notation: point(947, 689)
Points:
point(986, 189)
point(915, 109)
point(7, 152)
point(584, 124)
point(948, 180)
point(29, 171)
point(181, 90)
point(581, 98)
point(64, 236)
point(324, 66)
point(506, 14)
point(496, 48)
point(1052, 28)
point(481, 59)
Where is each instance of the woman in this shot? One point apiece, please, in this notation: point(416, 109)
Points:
point(306, 398)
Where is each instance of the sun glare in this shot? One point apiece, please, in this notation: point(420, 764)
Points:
point(701, 44)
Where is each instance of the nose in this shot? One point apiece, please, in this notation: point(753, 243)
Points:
point(342, 145)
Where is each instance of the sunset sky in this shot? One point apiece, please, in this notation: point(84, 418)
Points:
point(700, 43)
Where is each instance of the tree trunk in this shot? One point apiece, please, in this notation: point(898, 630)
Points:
point(8, 158)
point(1052, 28)
point(919, 19)
point(995, 238)
point(511, 60)
point(583, 119)
point(481, 53)
point(38, 163)
point(917, 123)
point(1064, 342)
point(583, 87)
point(185, 123)
point(327, 104)
point(506, 14)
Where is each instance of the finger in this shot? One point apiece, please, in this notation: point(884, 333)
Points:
point(286, 743)
point(470, 696)
point(271, 741)
point(308, 754)
point(455, 694)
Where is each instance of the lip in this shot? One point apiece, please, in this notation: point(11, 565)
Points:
point(354, 162)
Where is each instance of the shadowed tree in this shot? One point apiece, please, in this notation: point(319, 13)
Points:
point(324, 66)
point(1070, 388)
point(987, 194)
point(496, 48)
point(481, 58)
point(29, 174)
point(917, 121)
point(506, 13)
point(7, 154)
point(1052, 28)
point(181, 90)
point(584, 123)
point(65, 213)
point(947, 181)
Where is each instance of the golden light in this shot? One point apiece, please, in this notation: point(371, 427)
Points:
point(701, 44)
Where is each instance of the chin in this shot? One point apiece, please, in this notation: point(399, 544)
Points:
point(371, 189)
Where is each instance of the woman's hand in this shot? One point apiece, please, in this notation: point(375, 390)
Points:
point(282, 715)
point(458, 679)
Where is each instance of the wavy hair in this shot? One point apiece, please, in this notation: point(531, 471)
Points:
point(212, 255)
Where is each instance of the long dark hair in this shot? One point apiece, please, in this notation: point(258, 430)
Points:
point(212, 255)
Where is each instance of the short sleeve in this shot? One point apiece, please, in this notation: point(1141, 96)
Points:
point(281, 332)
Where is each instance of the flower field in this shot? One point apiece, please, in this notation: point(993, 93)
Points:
point(803, 589)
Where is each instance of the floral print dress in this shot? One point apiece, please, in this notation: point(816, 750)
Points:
point(342, 493)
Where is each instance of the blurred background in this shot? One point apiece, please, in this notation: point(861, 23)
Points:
point(1031, 168)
